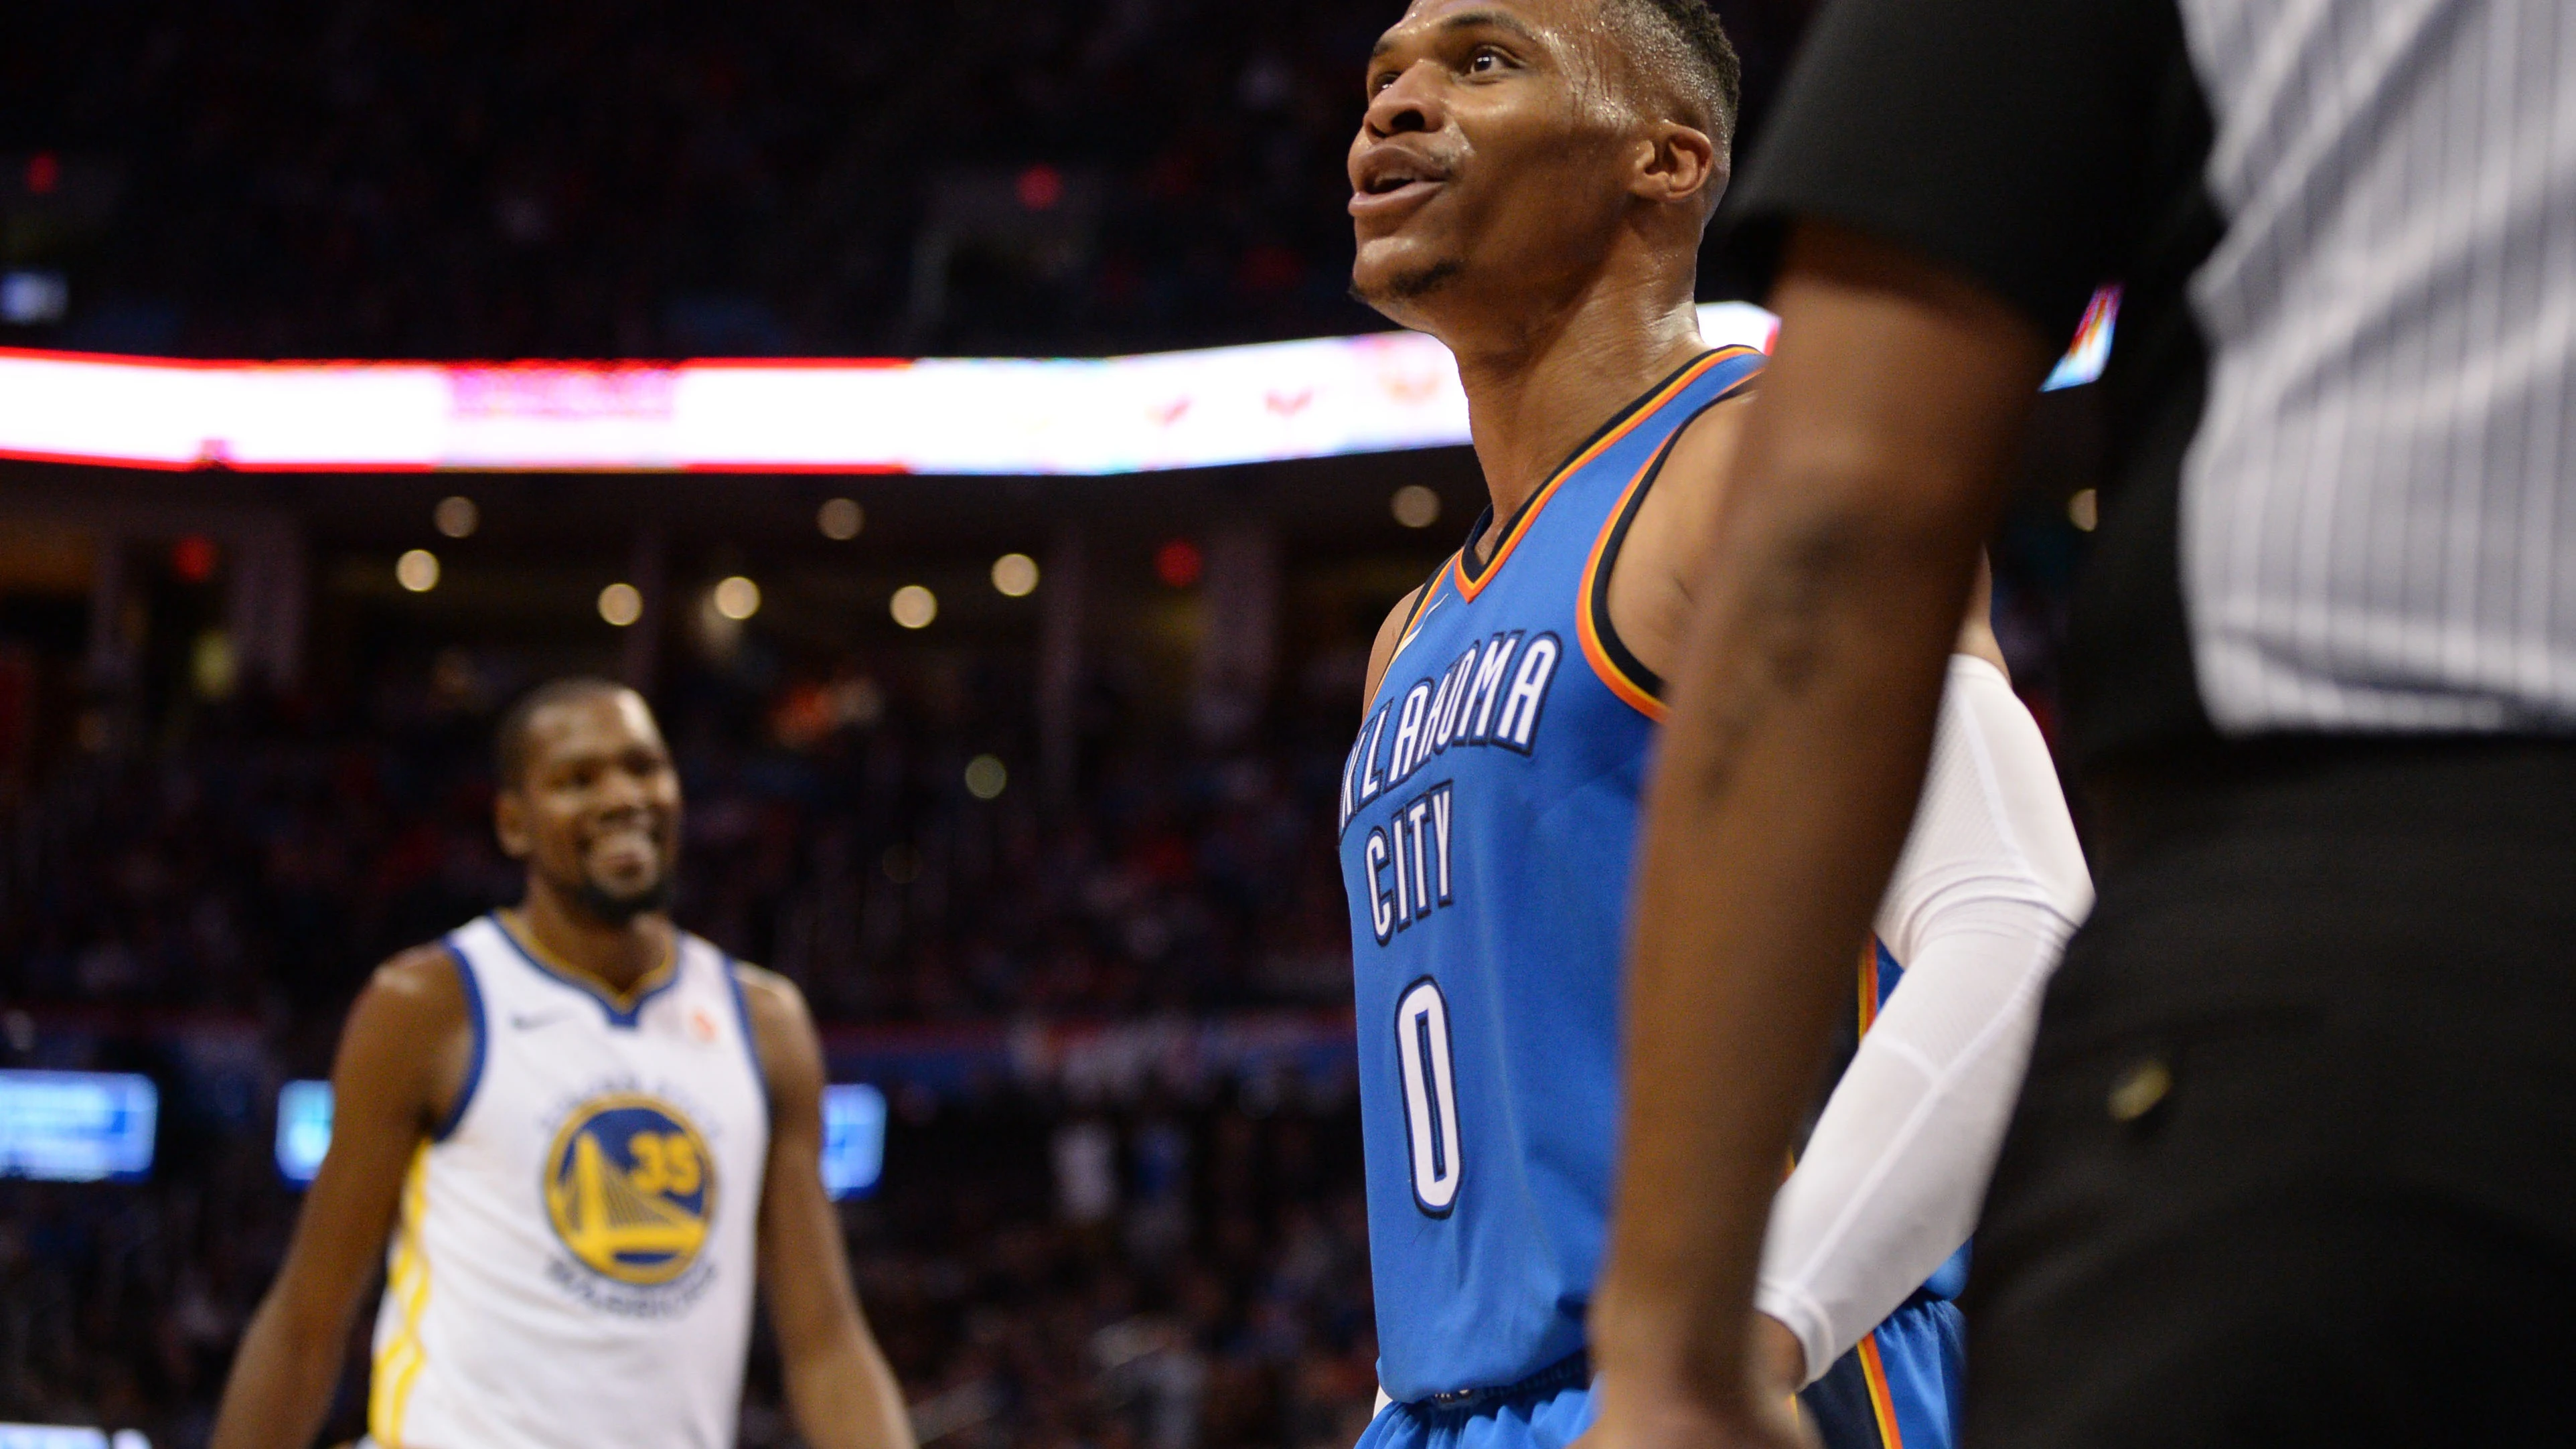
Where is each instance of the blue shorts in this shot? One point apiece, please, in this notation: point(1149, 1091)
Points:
point(1898, 1390)
point(1548, 1419)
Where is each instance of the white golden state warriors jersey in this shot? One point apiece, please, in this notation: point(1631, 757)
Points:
point(573, 1264)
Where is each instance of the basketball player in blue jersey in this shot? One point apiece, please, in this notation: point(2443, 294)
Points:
point(1530, 181)
point(587, 1133)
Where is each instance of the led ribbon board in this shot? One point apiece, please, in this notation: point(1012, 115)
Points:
point(77, 1126)
point(1318, 398)
point(854, 1123)
point(59, 1436)
point(303, 1129)
point(854, 1127)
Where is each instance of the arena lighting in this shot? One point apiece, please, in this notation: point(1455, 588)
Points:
point(1322, 397)
point(1415, 506)
point(2084, 510)
point(456, 516)
point(621, 604)
point(737, 598)
point(1179, 563)
point(913, 606)
point(1015, 576)
point(193, 559)
point(854, 1132)
point(417, 570)
point(854, 1123)
point(303, 1129)
point(840, 519)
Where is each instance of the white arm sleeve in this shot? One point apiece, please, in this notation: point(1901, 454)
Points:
point(1989, 886)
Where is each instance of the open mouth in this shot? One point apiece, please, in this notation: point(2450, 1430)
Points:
point(1394, 181)
point(1397, 183)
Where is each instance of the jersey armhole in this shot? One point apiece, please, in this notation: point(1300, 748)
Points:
point(1422, 595)
point(750, 1039)
point(1610, 657)
point(482, 1038)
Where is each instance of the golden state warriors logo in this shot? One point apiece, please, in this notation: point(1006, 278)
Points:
point(631, 1189)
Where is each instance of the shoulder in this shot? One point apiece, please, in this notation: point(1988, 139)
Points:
point(407, 1046)
point(1675, 525)
point(771, 1000)
point(782, 1027)
point(1695, 469)
point(1664, 544)
point(1391, 634)
point(421, 986)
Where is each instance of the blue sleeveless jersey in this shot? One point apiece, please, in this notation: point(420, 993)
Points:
point(1488, 816)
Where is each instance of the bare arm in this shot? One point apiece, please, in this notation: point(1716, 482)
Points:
point(843, 1393)
point(1870, 471)
point(1664, 566)
point(387, 1095)
point(1654, 588)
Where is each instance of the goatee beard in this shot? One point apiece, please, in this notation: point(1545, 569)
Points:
point(1410, 286)
point(617, 910)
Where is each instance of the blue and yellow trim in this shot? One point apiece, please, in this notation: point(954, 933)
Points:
point(1869, 995)
point(482, 1044)
point(398, 1364)
point(622, 1009)
point(750, 1037)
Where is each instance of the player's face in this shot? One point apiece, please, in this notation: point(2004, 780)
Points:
point(1490, 152)
point(598, 811)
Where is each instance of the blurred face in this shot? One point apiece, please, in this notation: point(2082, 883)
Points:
point(597, 812)
point(1491, 156)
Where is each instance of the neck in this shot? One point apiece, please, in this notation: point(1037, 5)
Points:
point(618, 957)
point(1545, 377)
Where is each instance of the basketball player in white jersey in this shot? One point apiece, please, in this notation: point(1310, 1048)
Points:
point(586, 1131)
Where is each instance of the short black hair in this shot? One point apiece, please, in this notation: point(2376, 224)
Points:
point(1681, 43)
point(510, 736)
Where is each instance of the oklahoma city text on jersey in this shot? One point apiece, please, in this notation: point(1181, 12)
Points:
point(1492, 695)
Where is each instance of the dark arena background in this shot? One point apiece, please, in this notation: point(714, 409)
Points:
point(1010, 739)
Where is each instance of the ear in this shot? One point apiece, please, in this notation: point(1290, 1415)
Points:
point(510, 824)
point(1680, 165)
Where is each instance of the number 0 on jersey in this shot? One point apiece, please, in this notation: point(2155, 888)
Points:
point(1430, 1095)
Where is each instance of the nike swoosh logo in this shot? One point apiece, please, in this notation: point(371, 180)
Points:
point(529, 1021)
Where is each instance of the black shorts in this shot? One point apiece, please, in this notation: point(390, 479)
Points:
point(2296, 1161)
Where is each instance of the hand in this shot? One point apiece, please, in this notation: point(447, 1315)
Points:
point(1634, 1415)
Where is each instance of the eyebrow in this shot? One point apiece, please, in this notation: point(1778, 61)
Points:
point(1467, 20)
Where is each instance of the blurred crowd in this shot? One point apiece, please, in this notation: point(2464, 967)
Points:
point(1200, 1276)
point(1182, 1264)
point(1168, 1276)
point(477, 179)
point(1174, 1265)
point(1123, 1258)
point(267, 863)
